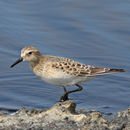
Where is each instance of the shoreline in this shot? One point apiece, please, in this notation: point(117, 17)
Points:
point(63, 115)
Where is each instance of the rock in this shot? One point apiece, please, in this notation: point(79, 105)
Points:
point(121, 121)
point(63, 116)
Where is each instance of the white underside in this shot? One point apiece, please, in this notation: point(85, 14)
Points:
point(66, 81)
point(60, 78)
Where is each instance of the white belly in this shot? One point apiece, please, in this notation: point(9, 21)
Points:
point(60, 78)
point(66, 81)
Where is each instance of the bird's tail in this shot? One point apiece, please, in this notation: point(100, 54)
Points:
point(102, 71)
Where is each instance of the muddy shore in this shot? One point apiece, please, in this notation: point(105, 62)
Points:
point(63, 115)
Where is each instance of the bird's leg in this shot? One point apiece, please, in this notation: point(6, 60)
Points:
point(79, 89)
point(64, 97)
point(64, 90)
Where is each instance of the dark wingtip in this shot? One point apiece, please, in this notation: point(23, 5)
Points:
point(122, 70)
point(117, 70)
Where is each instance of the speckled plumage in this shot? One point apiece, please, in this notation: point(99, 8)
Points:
point(61, 71)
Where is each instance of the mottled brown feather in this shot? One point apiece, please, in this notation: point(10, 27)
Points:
point(71, 67)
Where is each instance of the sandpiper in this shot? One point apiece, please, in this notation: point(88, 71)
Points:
point(61, 71)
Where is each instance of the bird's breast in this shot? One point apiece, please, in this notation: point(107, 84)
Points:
point(53, 76)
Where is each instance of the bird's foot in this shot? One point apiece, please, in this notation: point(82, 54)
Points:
point(64, 97)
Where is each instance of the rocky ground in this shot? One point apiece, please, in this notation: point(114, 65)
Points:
point(63, 116)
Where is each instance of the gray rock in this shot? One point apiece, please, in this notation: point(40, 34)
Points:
point(63, 116)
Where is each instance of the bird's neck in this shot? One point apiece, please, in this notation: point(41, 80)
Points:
point(33, 64)
point(36, 63)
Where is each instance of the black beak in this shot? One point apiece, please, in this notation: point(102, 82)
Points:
point(18, 61)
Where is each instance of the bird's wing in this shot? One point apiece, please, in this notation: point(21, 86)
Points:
point(71, 67)
point(102, 71)
point(78, 69)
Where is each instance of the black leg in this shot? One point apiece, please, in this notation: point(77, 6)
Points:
point(64, 97)
point(79, 89)
point(64, 89)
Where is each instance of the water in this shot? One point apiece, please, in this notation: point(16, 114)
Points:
point(93, 32)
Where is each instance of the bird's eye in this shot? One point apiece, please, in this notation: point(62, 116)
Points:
point(30, 53)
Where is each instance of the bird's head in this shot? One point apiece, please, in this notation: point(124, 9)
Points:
point(30, 54)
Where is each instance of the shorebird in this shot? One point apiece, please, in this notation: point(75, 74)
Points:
point(61, 71)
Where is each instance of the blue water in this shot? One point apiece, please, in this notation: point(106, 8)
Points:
point(92, 32)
